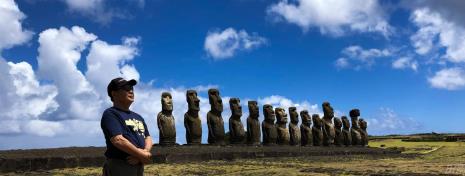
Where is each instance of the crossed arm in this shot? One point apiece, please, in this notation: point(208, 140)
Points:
point(136, 154)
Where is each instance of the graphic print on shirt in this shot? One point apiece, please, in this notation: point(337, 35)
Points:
point(136, 125)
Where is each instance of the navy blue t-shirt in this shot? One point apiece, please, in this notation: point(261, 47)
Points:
point(127, 123)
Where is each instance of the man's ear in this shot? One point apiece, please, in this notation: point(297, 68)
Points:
point(113, 94)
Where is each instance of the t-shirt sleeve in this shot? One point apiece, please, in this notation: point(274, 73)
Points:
point(111, 124)
point(146, 132)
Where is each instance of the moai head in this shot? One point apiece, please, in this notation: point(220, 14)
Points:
point(281, 115)
point(316, 120)
point(268, 112)
point(337, 123)
point(235, 106)
point(327, 110)
point(294, 115)
point(215, 100)
point(345, 122)
point(253, 109)
point(306, 119)
point(354, 114)
point(166, 102)
point(192, 100)
point(363, 124)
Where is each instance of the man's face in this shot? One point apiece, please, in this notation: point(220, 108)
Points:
point(269, 113)
point(235, 107)
point(124, 94)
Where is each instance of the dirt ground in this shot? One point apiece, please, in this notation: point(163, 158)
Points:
point(418, 158)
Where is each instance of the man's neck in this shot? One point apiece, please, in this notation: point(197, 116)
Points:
point(121, 106)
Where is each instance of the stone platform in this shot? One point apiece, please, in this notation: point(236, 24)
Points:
point(45, 159)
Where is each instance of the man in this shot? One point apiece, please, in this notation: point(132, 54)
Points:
point(126, 135)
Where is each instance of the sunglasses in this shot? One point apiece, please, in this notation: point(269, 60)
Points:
point(126, 88)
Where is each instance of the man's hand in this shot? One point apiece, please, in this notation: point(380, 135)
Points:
point(146, 157)
point(132, 160)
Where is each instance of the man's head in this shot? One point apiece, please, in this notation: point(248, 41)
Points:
point(121, 91)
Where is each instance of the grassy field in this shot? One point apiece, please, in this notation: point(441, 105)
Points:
point(419, 158)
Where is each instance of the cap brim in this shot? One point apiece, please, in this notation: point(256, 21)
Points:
point(132, 82)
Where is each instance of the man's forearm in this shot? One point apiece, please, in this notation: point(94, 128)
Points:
point(148, 143)
point(123, 144)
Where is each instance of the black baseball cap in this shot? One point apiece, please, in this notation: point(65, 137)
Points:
point(118, 83)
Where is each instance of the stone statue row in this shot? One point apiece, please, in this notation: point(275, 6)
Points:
point(324, 132)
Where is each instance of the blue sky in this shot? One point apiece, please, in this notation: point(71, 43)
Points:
point(400, 62)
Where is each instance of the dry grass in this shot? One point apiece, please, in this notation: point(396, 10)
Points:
point(424, 158)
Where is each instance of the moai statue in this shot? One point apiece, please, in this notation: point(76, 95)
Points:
point(294, 130)
point(328, 127)
point(236, 129)
point(214, 119)
point(306, 129)
point(363, 132)
point(346, 131)
point(269, 130)
point(253, 125)
point(317, 130)
point(165, 121)
point(192, 121)
point(339, 138)
point(355, 130)
point(281, 125)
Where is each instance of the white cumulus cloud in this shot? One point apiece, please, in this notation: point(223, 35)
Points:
point(225, 44)
point(12, 32)
point(448, 78)
point(405, 62)
point(387, 121)
point(334, 17)
point(357, 57)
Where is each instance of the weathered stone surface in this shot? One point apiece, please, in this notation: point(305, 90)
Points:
point(355, 129)
point(317, 130)
point(269, 131)
point(192, 121)
point(294, 130)
point(281, 125)
point(306, 129)
point(339, 137)
point(22, 160)
point(236, 128)
point(215, 121)
point(165, 121)
point(253, 124)
point(346, 131)
point(363, 132)
point(328, 127)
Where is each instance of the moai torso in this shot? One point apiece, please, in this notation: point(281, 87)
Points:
point(317, 131)
point(294, 130)
point(281, 124)
point(214, 119)
point(192, 121)
point(339, 138)
point(165, 121)
point(328, 127)
point(363, 132)
point(253, 125)
point(269, 130)
point(306, 129)
point(346, 131)
point(355, 129)
point(236, 128)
